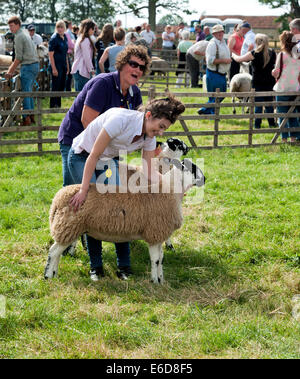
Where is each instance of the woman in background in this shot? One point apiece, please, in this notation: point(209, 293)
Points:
point(262, 61)
point(59, 67)
point(105, 39)
point(235, 43)
point(83, 67)
point(287, 74)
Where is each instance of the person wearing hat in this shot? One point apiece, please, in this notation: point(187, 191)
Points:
point(36, 38)
point(249, 38)
point(218, 62)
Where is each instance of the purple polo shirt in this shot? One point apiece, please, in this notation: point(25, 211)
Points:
point(100, 93)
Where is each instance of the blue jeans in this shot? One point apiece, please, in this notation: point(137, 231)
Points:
point(76, 163)
point(292, 122)
point(269, 109)
point(80, 81)
point(214, 81)
point(28, 75)
point(67, 177)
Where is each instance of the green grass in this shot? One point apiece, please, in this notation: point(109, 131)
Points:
point(228, 286)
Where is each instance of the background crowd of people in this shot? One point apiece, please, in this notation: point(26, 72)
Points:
point(78, 53)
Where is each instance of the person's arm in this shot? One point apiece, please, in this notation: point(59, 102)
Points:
point(276, 71)
point(88, 115)
point(12, 68)
point(231, 43)
point(52, 63)
point(100, 145)
point(103, 59)
point(244, 58)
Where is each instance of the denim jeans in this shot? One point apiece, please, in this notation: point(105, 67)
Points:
point(28, 75)
point(67, 177)
point(214, 81)
point(76, 163)
point(269, 109)
point(80, 81)
point(292, 122)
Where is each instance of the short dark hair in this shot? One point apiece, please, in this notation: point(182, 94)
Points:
point(14, 20)
point(119, 34)
point(169, 108)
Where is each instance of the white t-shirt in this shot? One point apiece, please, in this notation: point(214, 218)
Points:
point(198, 46)
point(149, 37)
point(37, 39)
point(168, 42)
point(249, 40)
point(122, 125)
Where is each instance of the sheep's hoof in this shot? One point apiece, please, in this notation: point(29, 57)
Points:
point(234, 111)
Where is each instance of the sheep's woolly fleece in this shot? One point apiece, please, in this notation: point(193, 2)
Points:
point(103, 214)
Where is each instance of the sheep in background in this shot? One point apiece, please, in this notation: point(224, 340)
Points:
point(240, 83)
point(159, 66)
point(151, 216)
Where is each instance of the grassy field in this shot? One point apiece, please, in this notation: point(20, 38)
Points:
point(228, 286)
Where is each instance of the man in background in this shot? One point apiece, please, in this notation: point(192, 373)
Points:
point(36, 38)
point(26, 56)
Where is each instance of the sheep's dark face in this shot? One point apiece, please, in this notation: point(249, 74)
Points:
point(174, 148)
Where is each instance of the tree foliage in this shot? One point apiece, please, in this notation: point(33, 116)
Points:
point(101, 11)
point(294, 8)
point(152, 7)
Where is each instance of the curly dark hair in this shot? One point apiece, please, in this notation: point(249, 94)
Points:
point(169, 108)
point(132, 50)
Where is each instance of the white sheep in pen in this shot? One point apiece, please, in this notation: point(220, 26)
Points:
point(241, 83)
point(152, 215)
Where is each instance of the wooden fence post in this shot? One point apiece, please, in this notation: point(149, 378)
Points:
point(151, 93)
point(39, 122)
point(217, 118)
point(252, 101)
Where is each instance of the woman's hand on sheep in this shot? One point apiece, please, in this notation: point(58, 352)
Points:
point(77, 200)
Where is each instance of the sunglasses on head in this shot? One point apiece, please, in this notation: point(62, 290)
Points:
point(135, 64)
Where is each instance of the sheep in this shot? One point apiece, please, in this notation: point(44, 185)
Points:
point(160, 66)
point(150, 213)
point(173, 148)
point(5, 61)
point(240, 83)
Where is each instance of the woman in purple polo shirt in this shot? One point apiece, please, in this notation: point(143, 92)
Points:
point(105, 91)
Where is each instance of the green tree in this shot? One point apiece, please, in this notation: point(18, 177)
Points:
point(101, 11)
point(294, 8)
point(21, 8)
point(170, 19)
point(153, 7)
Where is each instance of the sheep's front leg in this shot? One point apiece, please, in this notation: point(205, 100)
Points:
point(169, 244)
point(156, 256)
point(55, 253)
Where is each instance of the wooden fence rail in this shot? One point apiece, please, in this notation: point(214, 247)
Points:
point(14, 135)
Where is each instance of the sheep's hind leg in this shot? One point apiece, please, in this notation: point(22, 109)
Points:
point(156, 256)
point(55, 253)
point(169, 244)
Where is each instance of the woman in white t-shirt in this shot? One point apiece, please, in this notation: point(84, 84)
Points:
point(95, 154)
point(168, 42)
point(287, 73)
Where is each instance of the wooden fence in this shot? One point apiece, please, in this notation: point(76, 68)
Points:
point(194, 127)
